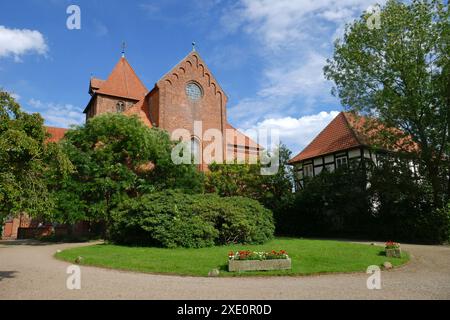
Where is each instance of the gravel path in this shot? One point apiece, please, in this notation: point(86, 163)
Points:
point(29, 271)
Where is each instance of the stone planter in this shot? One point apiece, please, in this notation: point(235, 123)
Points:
point(258, 265)
point(394, 253)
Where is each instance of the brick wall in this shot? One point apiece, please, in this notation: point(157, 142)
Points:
point(103, 104)
point(177, 110)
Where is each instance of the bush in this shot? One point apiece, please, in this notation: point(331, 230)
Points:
point(384, 202)
point(332, 204)
point(174, 219)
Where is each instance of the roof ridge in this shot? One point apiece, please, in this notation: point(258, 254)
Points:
point(125, 76)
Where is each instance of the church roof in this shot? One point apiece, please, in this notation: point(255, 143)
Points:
point(96, 83)
point(239, 136)
point(348, 131)
point(122, 82)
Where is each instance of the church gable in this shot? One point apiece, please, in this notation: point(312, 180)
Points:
point(192, 66)
point(188, 93)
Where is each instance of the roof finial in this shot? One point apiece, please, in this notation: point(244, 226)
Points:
point(124, 45)
point(193, 46)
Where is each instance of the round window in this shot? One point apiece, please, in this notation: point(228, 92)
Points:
point(193, 91)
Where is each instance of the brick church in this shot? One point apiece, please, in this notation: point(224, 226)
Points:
point(186, 94)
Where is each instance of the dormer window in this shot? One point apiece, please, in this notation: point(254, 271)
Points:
point(120, 106)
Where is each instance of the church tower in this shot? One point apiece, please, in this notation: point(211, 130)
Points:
point(118, 93)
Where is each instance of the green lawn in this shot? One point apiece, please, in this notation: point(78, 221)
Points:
point(308, 257)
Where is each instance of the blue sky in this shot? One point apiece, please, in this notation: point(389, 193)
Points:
point(267, 55)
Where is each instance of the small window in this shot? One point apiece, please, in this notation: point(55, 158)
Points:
point(120, 106)
point(341, 162)
point(308, 170)
point(194, 91)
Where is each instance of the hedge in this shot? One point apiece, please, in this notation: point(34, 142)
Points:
point(174, 219)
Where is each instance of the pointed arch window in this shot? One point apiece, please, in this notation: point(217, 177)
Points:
point(120, 106)
point(195, 150)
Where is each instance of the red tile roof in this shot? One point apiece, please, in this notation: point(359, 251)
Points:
point(122, 82)
point(239, 136)
point(56, 134)
point(96, 83)
point(348, 131)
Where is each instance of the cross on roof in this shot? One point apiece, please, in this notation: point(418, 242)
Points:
point(124, 45)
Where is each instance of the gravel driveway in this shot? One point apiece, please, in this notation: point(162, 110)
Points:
point(29, 271)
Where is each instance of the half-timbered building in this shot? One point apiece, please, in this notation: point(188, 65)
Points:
point(346, 141)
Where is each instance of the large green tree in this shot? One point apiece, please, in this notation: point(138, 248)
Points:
point(398, 69)
point(246, 180)
point(117, 157)
point(27, 162)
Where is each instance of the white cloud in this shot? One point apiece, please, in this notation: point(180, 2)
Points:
point(56, 114)
point(294, 38)
point(280, 23)
point(296, 133)
point(18, 42)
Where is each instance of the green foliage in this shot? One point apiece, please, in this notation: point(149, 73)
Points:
point(117, 157)
point(401, 73)
point(331, 204)
point(246, 180)
point(404, 205)
point(384, 202)
point(27, 162)
point(174, 219)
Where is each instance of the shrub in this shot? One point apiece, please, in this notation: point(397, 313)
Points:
point(387, 202)
point(332, 204)
point(174, 219)
point(242, 220)
point(246, 180)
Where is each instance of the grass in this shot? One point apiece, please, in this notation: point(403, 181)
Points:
point(308, 257)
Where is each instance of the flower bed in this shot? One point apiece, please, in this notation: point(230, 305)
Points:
point(253, 255)
point(258, 261)
point(393, 249)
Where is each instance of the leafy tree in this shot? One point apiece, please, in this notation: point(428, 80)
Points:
point(331, 204)
point(27, 162)
point(400, 72)
point(387, 201)
point(246, 180)
point(403, 205)
point(117, 157)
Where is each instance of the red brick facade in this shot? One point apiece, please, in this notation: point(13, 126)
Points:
point(168, 105)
